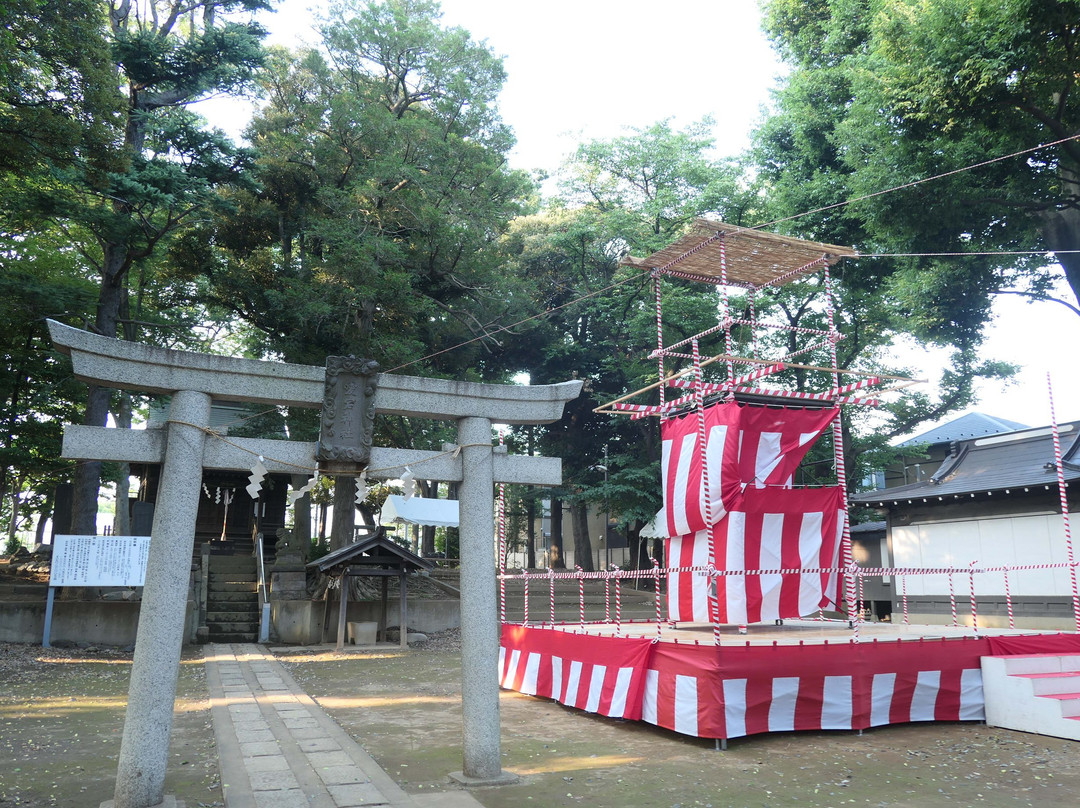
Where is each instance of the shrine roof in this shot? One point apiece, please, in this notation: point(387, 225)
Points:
point(376, 550)
point(753, 258)
point(1013, 462)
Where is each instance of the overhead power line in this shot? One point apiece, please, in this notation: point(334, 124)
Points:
point(924, 180)
point(834, 206)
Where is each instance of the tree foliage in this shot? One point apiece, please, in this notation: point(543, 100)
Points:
point(38, 394)
point(631, 194)
point(833, 138)
point(157, 166)
point(917, 88)
point(383, 190)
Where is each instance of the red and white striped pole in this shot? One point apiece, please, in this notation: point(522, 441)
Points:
point(659, 342)
point(699, 397)
point(502, 546)
point(725, 309)
point(1063, 495)
point(656, 589)
point(903, 587)
point(859, 584)
point(1008, 601)
point(952, 600)
point(607, 596)
point(551, 578)
point(838, 451)
point(974, 608)
point(581, 593)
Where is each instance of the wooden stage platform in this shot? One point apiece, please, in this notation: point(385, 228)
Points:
point(803, 675)
point(792, 632)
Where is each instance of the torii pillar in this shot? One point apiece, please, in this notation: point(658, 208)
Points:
point(187, 447)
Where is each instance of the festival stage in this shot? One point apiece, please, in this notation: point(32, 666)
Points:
point(804, 675)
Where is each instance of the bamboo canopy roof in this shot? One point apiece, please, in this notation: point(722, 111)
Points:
point(753, 258)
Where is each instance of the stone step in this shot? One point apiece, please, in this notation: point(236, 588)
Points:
point(232, 575)
point(248, 627)
point(1069, 703)
point(220, 618)
point(28, 589)
point(232, 597)
point(243, 636)
point(219, 604)
point(1052, 684)
point(228, 564)
point(232, 586)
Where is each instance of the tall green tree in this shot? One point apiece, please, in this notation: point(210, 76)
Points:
point(383, 192)
point(813, 154)
point(917, 88)
point(56, 87)
point(38, 394)
point(635, 193)
point(155, 165)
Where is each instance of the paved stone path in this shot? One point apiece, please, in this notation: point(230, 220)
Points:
point(278, 749)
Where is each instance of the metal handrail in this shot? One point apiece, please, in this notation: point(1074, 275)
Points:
point(264, 599)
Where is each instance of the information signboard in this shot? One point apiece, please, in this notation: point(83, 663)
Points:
point(99, 560)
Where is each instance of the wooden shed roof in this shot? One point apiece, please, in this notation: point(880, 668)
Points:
point(753, 258)
point(376, 550)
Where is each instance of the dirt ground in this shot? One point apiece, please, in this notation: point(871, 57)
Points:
point(61, 716)
point(61, 719)
point(405, 710)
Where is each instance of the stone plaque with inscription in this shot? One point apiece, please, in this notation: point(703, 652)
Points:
point(348, 414)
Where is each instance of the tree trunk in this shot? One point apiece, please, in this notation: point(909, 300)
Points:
point(13, 521)
point(579, 517)
point(555, 551)
point(658, 551)
point(1061, 232)
point(341, 532)
point(302, 514)
point(39, 531)
point(633, 539)
point(87, 478)
point(427, 533)
point(122, 517)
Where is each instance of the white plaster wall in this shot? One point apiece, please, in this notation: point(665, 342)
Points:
point(1005, 541)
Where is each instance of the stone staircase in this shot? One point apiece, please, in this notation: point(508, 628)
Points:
point(1039, 693)
point(232, 598)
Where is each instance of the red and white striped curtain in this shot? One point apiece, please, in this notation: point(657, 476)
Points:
point(758, 521)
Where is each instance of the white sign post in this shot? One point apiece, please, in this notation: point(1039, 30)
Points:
point(94, 561)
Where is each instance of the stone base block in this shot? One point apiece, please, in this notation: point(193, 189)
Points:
point(168, 802)
point(298, 622)
point(503, 778)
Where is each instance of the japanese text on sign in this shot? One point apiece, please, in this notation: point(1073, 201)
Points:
point(99, 560)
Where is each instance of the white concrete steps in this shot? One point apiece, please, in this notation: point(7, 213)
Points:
point(1039, 693)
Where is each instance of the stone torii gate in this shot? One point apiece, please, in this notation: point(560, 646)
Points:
point(186, 446)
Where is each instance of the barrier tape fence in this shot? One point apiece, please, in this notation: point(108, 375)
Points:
point(852, 573)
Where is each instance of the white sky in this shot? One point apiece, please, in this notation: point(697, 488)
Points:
point(582, 69)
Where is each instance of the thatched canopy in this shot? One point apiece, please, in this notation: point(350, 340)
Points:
point(754, 258)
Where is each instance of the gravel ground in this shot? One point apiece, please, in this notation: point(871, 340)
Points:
point(61, 720)
point(405, 709)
